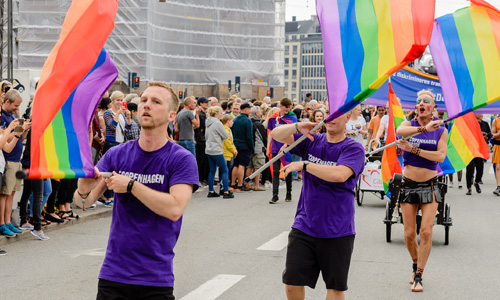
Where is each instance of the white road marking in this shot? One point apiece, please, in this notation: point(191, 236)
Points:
point(276, 244)
point(213, 288)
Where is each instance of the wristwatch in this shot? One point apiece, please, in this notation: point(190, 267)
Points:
point(304, 165)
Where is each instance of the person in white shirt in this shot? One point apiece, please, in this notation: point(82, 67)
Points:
point(356, 126)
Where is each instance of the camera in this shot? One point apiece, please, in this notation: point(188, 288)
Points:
point(6, 89)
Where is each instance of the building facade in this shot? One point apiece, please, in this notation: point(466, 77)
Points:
point(304, 70)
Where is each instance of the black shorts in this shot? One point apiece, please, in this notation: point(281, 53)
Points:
point(306, 256)
point(413, 192)
point(110, 290)
point(243, 157)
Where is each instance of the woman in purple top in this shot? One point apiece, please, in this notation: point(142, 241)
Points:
point(421, 156)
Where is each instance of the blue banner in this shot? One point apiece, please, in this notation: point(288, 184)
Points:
point(407, 82)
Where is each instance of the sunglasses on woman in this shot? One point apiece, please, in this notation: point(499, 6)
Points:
point(426, 100)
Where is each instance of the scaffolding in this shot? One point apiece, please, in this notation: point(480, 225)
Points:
point(184, 41)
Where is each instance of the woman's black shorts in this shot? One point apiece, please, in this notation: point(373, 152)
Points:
point(306, 256)
point(419, 192)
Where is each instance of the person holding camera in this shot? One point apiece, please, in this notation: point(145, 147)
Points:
point(12, 184)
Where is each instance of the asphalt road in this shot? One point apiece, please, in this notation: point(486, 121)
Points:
point(218, 256)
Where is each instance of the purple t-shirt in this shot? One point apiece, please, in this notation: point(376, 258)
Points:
point(141, 243)
point(425, 141)
point(326, 209)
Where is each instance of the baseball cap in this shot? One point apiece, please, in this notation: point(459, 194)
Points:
point(202, 99)
point(244, 105)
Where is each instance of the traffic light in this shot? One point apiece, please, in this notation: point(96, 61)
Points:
point(135, 80)
point(181, 95)
point(268, 93)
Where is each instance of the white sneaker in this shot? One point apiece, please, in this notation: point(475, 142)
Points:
point(460, 185)
point(40, 235)
point(27, 226)
point(450, 184)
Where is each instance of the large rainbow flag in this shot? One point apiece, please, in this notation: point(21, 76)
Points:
point(465, 46)
point(465, 142)
point(391, 162)
point(365, 41)
point(74, 77)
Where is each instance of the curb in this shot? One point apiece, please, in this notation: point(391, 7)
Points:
point(89, 215)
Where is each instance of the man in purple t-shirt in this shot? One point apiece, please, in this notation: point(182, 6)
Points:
point(322, 235)
point(153, 180)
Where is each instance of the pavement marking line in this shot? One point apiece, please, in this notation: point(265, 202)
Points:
point(213, 288)
point(276, 244)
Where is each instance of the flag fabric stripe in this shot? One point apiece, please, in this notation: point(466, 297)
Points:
point(359, 40)
point(466, 50)
point(465, 142)
point(390, 162)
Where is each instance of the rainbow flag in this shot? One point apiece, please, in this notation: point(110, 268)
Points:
point(366, 41)
point(74, 77)
point(391, 162)
point(465, 46)
point(465, 142)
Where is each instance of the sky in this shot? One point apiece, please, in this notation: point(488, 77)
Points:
point(303, 9)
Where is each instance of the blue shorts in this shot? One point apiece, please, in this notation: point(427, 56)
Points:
point(243, 157)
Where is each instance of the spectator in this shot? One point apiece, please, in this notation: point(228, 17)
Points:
point(12, 184)
point(367, 113)
point(267, 100)
point(199, 136)
point(130, 97)
point(317, 117)
point(213, 101)
point(308, 98)
point(187, 121)
point(356, 126)
point(97, 138)
point(229, 150)
point(235, 109)
point(224, 106)
point(132, 133)
point(273, 147)
point(374, 124)
point(103, 106)
point(243, 140)
point(258, 158)
point(6, 86)
point(477, 163)
point(215, 135)
point(307, 113)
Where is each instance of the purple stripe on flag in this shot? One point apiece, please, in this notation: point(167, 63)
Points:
point(87, 96)
point(328, 16)
point(445, 72)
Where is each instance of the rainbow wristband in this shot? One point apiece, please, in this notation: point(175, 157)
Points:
point(297, 128)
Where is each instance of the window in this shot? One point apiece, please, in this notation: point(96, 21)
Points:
point(286, 73)
point(286, 85)
point(294, 49)
point(294, 74)
point(287, 60)
point(294, 86)
point(294, 61)
point(287, 50)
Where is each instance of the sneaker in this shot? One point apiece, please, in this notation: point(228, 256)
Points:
point(480, 182)
point(40, 235)
point(93, 206)
point(497, 191)
point(460, 185)
point(268, 185)
point(212, 194)
point(288, 197)
point(478, 188)
point(27, 226)
point(3, 252)
point(274, 200)
point(450, 184)
point(469, 192)
point(228, 195)
point(6, 231)
point(14, 229)
point(109, 204)
point(102, 200)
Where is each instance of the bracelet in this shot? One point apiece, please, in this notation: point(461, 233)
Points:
point(415, 151)
point(422, 129)
point(130, 185)
point(297, 128)
point(83, 198)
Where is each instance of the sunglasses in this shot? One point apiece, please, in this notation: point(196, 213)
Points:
point(426, 100)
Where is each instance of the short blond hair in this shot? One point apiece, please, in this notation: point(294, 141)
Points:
point(13, 95)
point(116, 94)
point(175, 100)
point(213, 110)
point(225, 118)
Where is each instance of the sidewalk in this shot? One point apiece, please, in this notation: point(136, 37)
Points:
point(90, 214)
